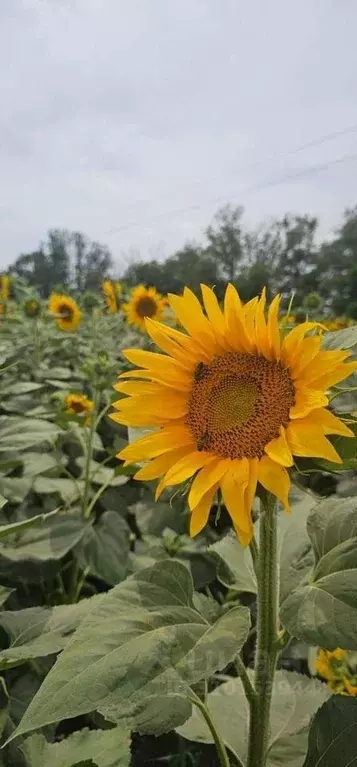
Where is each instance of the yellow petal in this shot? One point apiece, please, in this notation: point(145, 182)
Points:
point(322, 363)
point(184, 469)
point(176, 405)
point(155, 443)
point(189, 312)
point(329, 422)
point(233, 485)
point(275, 479)
point(206, 478)
point(278, 450)
point(273, 328)
point(335, 376)
point(235, 329)
point(160, 465)
point(138, 387)
point(308, 350)
point(293, 340)
point(261, 332)
point(157, 333)
point(307, 400)
point(200, 514)
point(213, 310)
point(308, 442)
point(172, 380)
point(156, 362)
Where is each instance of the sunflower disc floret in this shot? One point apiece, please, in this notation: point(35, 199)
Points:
point(231, 401)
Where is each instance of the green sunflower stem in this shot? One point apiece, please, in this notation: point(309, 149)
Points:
point(218, 741)
point(86, 507)
point(267, 635)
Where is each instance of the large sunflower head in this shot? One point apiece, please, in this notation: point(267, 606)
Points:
point(145, 303)
point(4, 287)
point(110, 292)
point(79, 405)
point(231, 401)
point(66, 310)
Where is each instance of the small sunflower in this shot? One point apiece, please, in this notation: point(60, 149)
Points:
point(231, 403)
point(144, 303)
point(4, 286)
point(32, 307)
point(66, 310)
point(110, 292)
point(79, 405)
point(338, 668)
point(3, 308)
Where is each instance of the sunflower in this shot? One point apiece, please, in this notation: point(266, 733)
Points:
point(338, 668)
point(32, 307)
point(66, 310)
point(109, 290)
point(144, 303)
point(231, 402)
point(4, 286)
point(79, 405)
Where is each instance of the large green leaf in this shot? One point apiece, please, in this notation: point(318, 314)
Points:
point(296, 552)
point(295, 699)
point(105, 548)
point(50, 540)
point(68, 489)
point(39, 631)
point(323, 612)
point(234, 564)
point(37, 463)
point(341, 339)
point(23, 387)
point(15, 489)
point(104, 748)
point(19, 527)
point(18, 433)
point(134, 656)
point(333, 734)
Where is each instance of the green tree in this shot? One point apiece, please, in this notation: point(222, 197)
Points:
point(225, 241)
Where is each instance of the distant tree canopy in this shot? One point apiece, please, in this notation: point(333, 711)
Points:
point(283, 255)
point(65, 261)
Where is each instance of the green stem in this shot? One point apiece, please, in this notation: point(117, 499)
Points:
point(267, 645)
point(254, 552)
point(89, 455)
point(221, 749)
point(244, 677)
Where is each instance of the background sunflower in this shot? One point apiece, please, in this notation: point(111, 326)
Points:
point(66, 310)
point(110, 291)
point(144, 303)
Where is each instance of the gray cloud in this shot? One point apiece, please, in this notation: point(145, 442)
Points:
point(115, 114)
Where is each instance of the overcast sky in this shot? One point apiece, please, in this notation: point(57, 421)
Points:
point(133, 120)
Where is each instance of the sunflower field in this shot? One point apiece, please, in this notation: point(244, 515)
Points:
point(178, 561)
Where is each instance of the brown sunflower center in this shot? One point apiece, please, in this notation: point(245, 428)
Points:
point(146, 307)
point(238, 403)
point(65, 311)
point(77, 406)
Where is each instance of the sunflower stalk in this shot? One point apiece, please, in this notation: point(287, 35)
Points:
point(86, 507)
point(268, 646)
point(220, 746)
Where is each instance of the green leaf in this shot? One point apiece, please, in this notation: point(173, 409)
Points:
point(68, 489)
point(295, 699)
point(50, 540)
point(15, 489)
point(296, 553)
point(18, 527)
point(4, 594)
point(38, 463)
point(39, 631)
point(333, 734)
point(21, 433)
point(323, 612)
point(105, 548)
point(135, 655)
point(104, 748)
point(24, 387)
point(235, 568)
point(341, 339)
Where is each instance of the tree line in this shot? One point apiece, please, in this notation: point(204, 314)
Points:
point(284, 255)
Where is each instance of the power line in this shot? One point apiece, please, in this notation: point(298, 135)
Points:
point(245, 190)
